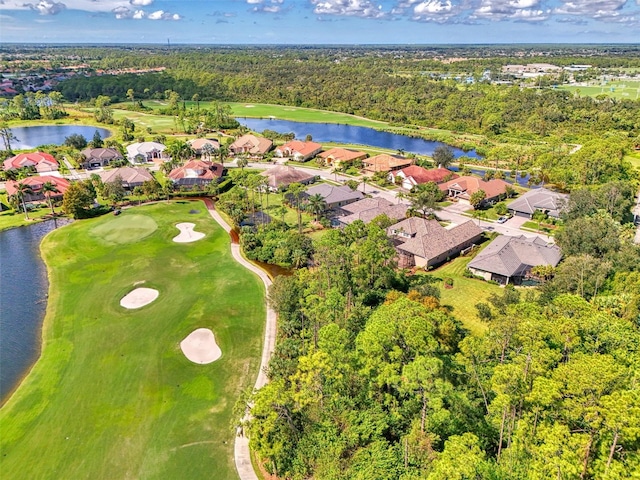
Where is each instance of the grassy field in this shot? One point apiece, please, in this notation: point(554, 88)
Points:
point(619, 89)
point(11, 218)
point(464, 295)
point(112, 395)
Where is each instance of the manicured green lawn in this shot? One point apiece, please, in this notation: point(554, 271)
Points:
point(618, 89)
point(12, 218)
point(112, 395)
point(464, 295)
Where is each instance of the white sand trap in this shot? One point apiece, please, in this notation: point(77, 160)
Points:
point(200, 346)
point(187, 234)
point(139, 298)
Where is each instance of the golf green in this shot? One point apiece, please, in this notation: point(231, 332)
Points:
point(112, 395)
point(125, 228)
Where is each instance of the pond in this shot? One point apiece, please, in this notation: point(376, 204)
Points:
point(23, 296)
point(341, 133)
point(32, 137)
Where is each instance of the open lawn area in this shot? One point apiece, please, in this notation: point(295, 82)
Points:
point(619, 89)
point(464, 295)
point(12, 218)
point(112, 395)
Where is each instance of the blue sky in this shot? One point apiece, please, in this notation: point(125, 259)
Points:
point(320, 21)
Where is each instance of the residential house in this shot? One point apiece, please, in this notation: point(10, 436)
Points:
point(281, 176)
point(298, 151)
point(386, 163)
point(413, 175)
point(196, 172)
point(334, 196)
point(199, 148)
point(368, 209)
point(131, 176)
point(510, 259)
point(36, 183)
point(462, 188)
point(99, 157)
point(426, 243)
point(338, 156)
point(251, 145)
point(144, 152)
point(547, 201)
point(41, 161)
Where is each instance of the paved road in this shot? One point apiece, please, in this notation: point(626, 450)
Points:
point(242, 454)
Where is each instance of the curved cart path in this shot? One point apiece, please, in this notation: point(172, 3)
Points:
point(242, 453)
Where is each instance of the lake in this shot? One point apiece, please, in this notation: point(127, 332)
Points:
point(341, 133)
point(32, 137)
point(23, 297)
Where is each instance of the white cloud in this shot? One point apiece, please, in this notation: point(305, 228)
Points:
point(47, 7)
point(524, 10)
point(162, 15)
point(589, 8)
point(352, 8)
point(141, 3)
point(270, 6)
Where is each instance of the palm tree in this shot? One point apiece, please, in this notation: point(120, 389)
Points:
point(22, 190)
point(207, 149)
point(296, 189)
point(48, 188)
point(316, 204)
point(223, 151)
point(242, 162)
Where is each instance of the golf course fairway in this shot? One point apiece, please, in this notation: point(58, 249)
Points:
point(112, 395)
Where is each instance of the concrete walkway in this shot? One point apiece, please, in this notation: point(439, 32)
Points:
point(242, 454)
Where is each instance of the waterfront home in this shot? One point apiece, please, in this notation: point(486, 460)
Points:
point(35, 184)
point(41, 161)
point(385, 163)
point(338, 156)
point(99, 157)
point(298, 151)
point(413, 175)
point(251, 145)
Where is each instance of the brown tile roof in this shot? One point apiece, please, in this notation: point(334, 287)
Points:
point(284, 175)
point(197, 169)
point(251, 144)
point(385, 162)
point(469, 185)
point(369, 208)
point(198, 143)
point(429, 240)
point(128, 175)
point(343, 154)
point(101, 153)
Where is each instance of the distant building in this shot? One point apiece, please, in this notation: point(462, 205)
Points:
point(510, 259)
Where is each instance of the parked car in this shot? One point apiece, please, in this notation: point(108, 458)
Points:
point(502, 219)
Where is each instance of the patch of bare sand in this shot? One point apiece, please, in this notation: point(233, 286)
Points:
point(200, 347)
point(187, 234)
point(139, 298)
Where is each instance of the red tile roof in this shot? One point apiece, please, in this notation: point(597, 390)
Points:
point(422, 175)
point(197, 169)
point(343, 154)
point(31, 159)
point(36, 184)
point(303, 148)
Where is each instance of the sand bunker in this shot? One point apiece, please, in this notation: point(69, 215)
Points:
point(200, 346)
point(187, 234)
point(139, 298)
